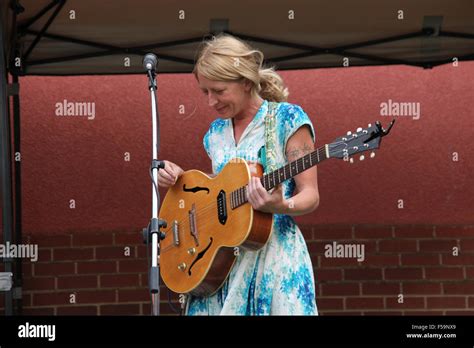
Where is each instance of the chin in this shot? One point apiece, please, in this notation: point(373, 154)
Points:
point(226, 114)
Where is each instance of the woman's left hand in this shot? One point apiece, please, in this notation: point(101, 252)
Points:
point(263, 201)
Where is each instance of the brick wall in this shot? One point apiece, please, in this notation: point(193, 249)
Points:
point(407, 270)
point(94, 274)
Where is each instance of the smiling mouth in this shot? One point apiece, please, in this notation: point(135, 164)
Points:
point(221, 109)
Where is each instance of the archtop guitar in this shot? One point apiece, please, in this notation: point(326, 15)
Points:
point(208, 218)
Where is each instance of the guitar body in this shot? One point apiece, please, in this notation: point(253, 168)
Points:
point(198, 252)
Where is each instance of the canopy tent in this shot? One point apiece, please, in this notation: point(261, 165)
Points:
point(59, 37)
point(72, 37)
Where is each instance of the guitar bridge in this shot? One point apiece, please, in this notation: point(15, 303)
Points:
point(175, 229)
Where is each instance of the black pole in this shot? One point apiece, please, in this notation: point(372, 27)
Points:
point(17, 275)
point(5, 164)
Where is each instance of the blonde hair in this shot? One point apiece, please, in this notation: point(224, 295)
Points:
point(226, 58)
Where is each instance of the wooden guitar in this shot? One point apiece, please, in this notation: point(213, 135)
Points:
point(207, 218)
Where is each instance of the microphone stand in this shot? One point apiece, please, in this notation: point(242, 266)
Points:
point(153, 231)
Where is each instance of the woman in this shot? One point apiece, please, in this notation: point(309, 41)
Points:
point(278, 279)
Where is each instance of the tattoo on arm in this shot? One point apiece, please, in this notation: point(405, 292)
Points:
point(294, 153)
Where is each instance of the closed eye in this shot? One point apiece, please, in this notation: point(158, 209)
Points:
point(220, 91)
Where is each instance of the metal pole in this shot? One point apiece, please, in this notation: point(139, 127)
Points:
point(18, 229)
point(5, 164)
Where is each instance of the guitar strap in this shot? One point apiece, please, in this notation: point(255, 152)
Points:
point(270, 138)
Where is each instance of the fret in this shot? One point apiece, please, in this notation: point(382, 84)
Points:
point(274, 178)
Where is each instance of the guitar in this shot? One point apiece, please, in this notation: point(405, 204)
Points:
point(207, 218)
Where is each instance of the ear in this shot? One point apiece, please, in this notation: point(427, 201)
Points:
point(247, 85)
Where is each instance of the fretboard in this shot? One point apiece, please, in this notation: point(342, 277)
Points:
point(272, 179)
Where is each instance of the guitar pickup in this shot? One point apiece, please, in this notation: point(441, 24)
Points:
point(193, 224)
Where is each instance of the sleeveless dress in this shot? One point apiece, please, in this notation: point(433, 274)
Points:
point(277, 279)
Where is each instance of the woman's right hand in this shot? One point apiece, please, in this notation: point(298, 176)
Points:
point(167, 176)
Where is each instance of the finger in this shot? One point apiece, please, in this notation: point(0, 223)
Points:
point(165, 177)
point(257, 197)
point(251, 194)
point(260, 191)
point(169, 170)
point(164, 184)
point(250, 190)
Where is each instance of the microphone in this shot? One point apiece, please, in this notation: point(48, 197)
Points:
point(150, 61)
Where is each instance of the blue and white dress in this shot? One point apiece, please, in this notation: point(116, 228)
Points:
point(277, 279)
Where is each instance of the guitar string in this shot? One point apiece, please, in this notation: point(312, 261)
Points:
point(210, 210)
point(212, 207)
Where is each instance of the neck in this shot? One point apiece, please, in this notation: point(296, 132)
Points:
point(248, 111)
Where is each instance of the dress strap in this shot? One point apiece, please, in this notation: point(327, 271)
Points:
point(270, 138)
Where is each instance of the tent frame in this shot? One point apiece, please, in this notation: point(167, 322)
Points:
point(311, 51)
point(11, 180)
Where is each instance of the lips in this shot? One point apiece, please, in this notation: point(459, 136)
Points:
point(221, 109)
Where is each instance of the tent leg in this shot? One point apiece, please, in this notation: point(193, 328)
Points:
point(18, 229)
point(5, 167)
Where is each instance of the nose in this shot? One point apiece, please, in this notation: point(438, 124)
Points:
point(211, 99)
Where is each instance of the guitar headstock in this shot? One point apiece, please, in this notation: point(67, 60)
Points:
point(360, 141)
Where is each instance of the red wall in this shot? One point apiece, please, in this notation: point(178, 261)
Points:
point(95, 251)
point(67, 158)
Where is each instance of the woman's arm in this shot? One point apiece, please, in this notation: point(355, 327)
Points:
point(306, 195)
point(306, 198)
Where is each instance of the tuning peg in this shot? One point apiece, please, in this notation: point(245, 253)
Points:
point(362, 157)
point(349, 133)
point(351, 160)
point(359, 129)
point(372, 155)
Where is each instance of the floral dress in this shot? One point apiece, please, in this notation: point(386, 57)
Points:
point(277, 279)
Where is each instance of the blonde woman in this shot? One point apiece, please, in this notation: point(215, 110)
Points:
point(278, 279)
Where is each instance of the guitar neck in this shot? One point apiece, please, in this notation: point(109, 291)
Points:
point(294, 168)
point(272, 179)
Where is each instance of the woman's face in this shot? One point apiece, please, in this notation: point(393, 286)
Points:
point(229, 99)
